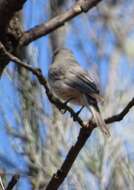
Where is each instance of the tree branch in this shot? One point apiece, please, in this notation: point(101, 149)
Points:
point(61, 174)
point(7, 10)
point(10, 27)
point(45, 28)
point(84, 134)
point(60, 105)
point(122, 114)
point(85, 131)
point(37, 72)
point(12, 182)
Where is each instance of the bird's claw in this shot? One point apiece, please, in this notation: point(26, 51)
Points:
point(65, 104)
point(78, 112)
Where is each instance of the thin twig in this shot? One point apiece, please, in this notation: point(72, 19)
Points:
point(37, 72)
point(122, 114)
point(12, 182)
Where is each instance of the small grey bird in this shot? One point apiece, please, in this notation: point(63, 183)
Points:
point(69, 81)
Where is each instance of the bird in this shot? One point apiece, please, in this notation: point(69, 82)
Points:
point(69, 81)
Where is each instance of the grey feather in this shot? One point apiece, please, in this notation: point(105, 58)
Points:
point(68, 80)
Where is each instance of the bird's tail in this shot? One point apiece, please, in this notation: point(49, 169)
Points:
point(99, 120)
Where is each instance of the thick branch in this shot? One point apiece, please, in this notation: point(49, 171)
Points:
point(10, 27)
point(45, 28)
point(7, 10)
point(9, 7)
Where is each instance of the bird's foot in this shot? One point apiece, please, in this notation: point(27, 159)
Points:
point(65, 104)
point(79, 111)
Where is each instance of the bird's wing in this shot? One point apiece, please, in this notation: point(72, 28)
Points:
point(88, 83)
point(81, 81)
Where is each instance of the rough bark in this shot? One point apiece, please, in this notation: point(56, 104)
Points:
point(10, 27)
